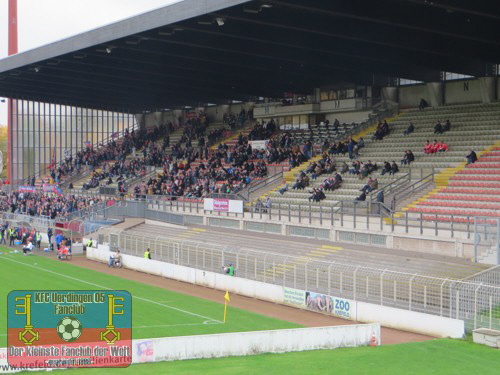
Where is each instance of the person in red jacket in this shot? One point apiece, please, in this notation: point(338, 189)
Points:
point(442, 147)
point(428, 148)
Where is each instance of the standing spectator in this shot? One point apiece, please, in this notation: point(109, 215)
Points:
point(49, 235)
point(12, 236)
point(268, 204)
point(4, 233)
point(147, 254)
point(350, 147)
point(380, 200)
point(59, 240)
point(38, 239)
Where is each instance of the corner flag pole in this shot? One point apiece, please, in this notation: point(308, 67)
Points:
point(226, 301)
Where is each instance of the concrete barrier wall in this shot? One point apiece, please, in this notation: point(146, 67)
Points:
point(251, 343)
point(427, 324)
point(432, 325)
point(244, 343)
point(244, 287)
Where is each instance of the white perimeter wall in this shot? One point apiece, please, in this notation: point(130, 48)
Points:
point(256, 342)
point(245, 343)
point(432, 325)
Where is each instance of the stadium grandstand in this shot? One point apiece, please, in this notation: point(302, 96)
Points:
point(341, 148)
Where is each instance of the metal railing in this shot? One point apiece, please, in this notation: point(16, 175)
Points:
point(414, 292)
point(392, 187)
point(487, 239)
point(150, 172)
point(34, 221)
point(85, 171)
point(343, 214)
point(402, 192)
point(236, 196)
point(263, 183)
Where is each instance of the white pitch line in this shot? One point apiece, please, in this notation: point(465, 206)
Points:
point(178, 325)
point(105, 287)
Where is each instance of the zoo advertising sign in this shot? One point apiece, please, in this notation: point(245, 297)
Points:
point(339, 307)
point(69, 328)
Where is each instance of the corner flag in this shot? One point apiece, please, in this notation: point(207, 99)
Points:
point(226, 301)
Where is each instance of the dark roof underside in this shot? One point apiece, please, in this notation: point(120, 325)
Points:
point(180, 55)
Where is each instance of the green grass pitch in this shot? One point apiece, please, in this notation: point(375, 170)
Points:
point(156, 312)
point(436, 357)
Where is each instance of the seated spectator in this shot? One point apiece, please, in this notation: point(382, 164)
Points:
point(438, 128)
point(301, 182)
point(447, 126)
point(472, 157)
point(63, 251)
point(408, 158)
point(441, 146)
point(284, 188)
point(371, 166)
point(429, 148)
point(371, 185)
point(435, 146)
point(330, 184)
point(394, 168)
point(363, 171)
point(317, 195)
point(362, 197)
point(387, 168)
point(410, 129)
point(382, 131)
point(361, 143)
point(344, 168)
point(423, 104)
point(356, 167)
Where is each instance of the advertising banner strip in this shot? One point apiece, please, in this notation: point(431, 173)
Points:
point(339, 307)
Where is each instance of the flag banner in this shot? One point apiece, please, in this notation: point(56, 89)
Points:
point(26, 189)
point(69, 328)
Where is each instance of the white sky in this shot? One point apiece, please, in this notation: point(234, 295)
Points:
point(44, 21)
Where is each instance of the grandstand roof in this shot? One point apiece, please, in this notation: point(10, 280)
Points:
point(212, 51)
